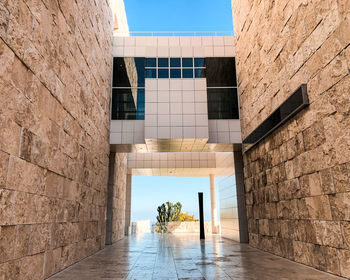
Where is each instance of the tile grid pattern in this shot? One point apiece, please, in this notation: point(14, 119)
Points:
point(218, 46)
point(172, 257)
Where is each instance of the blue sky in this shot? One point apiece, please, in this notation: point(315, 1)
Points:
point(174, 15)
point(179, 15)
point(149, 192)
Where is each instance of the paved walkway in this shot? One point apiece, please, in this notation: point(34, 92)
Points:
point(156, 256)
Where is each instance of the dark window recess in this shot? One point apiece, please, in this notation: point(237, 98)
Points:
point(163, 73)
point(175, 62)
point(151, 62)
point(187, 73)
point(163, 62)
point(120, 76)
point(124, 69)
point(128, 104)
point(221, 72)
point(187, 62)
point(296, 102)
point(222, 103)
point(175, 73)
point(199, 73)
point(151, 73)
point(199, 62)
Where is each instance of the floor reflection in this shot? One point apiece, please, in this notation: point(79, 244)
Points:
point(168, 256)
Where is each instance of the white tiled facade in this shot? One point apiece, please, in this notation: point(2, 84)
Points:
point(218, 46)
point(175, 109)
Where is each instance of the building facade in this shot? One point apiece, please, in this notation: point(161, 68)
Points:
point(83, 111)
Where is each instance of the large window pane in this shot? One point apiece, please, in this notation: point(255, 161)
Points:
point(140, 69)
point(222, 103)
point(128, 72)
point(123, 105)
point(175, 73)
point(199, 73)
point(128, 104)
point(187, 62)
point(120, 75)
point(151, 62)
point(187, 73)
point(163, 62)
point(199, 62)
point(151, 73)
point(221, 72)
point(175, 62)
point(163, 73)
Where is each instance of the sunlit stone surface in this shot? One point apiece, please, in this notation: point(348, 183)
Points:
point(155, 256)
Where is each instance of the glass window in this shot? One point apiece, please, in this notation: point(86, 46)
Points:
point(221, 72)
point(187, 62)
point(128, 104)
point(163, 62)
point(199, 62)
point(123, 105)
point(151, 62)
point(140, 110)
point(175, 62)
point(120, 75)
point(151, 73)
point(140, 70)
point(187, 73)
point(222, 103)
point(175, 73)
point(122, 69)
point(163, 73)
point(199, 73)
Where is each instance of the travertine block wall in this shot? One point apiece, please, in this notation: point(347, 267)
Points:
point(298, 179)
point(117, 191)
point(56, 59)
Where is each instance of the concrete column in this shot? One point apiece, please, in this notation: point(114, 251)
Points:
point(214, 223)
point(128, 204)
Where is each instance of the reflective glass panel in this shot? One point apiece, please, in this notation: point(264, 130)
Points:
point(175, 73)
point(124, 70)
point(199, 73)
point(199, 62)
point(221, 72)
point(187, 73)
point(175, 62)
point(187, 62)
point(150, 62)
point(222, 103)
point(163, 62)
point(163, 73)
point(120, 75)
point(123, 105)
point(140, 69)
point(151, 73)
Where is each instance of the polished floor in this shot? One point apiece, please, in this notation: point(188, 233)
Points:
point(156, 256)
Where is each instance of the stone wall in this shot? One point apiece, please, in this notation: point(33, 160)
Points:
point(298, 179)
point(55, 75)
point(116, 206)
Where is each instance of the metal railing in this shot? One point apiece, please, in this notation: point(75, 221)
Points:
point(175, 33)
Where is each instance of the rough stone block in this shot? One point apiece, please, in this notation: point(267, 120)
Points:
point(345, 229)
point(7, 242)
point(7, 205)
point(23, 233)
point(340, 206)
point(318, 207)
point(344, 263)
point(25, 176)
point(4, 162)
